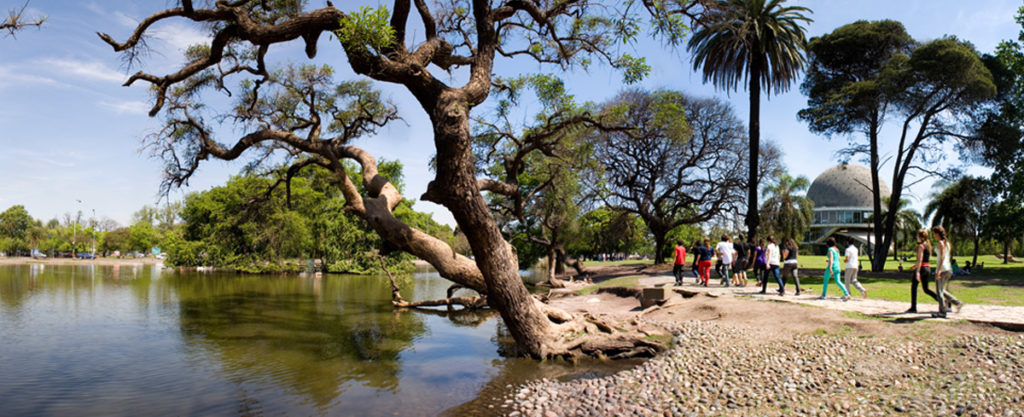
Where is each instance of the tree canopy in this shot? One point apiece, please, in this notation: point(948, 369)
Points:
point(680, 163)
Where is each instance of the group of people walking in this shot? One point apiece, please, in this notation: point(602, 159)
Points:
point(767, 259)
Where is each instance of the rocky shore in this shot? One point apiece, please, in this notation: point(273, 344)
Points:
point(721, 370)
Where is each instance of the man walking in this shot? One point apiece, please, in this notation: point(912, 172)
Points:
point(680, 262)
point(852, 267)
point(725, 250)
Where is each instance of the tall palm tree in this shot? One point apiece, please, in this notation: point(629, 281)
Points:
point(787, 214)
point(760, 42)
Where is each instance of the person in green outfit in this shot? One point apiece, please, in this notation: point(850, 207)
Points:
point(832, 270)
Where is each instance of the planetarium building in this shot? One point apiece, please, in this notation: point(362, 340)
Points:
point(842, 204)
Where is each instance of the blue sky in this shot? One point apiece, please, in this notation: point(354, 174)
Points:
point(69, 131)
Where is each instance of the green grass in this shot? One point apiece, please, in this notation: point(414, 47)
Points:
point(625, 262)
point(627, 281)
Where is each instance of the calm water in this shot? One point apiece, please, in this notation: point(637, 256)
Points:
point(108, 341)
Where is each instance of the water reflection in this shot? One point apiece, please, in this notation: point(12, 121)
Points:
point(129, 340)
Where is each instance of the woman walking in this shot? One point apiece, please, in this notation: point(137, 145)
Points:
point(790, 267)
point(771, 254)
point(759, 261)
point(704, 266)
point(922, 269)
point(832, 270)
point(945, 272)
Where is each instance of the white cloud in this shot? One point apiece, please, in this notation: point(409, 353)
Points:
point(84, 69)
point(127, 107)
point(180, 35)
point(9, 76)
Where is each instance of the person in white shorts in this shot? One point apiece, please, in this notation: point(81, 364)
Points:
point(852, 267)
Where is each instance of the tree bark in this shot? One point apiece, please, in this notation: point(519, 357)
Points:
point(455, 187)
point(975, 260)
point(659, 246)
point(753, 220)
point(878, 260)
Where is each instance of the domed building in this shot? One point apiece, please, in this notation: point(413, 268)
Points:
point(843, 204)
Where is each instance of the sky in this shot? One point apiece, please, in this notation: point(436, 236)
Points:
point(70, 134)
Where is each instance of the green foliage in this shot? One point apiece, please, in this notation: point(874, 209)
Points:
point(787, 214)
point(15, 227)
point(852, 73)
point(751, 38)
point(245, 227)
point(367, 27)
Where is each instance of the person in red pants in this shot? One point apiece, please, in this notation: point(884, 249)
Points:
point(704, 266)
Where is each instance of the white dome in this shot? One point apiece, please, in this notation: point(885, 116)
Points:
point(844, 185)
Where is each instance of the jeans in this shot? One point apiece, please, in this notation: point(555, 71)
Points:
point(926, 274)
point(705, 271)
point(791, 269)
point(941, 287)
point(677, 271)
point(774, 270)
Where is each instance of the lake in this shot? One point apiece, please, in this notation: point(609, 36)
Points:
point(140, 340)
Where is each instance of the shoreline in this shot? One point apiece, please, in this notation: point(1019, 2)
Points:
point(23, 260)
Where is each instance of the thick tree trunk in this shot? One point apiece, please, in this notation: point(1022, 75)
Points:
point(753, 220)
point(975, 260)
point(659, 246)
point(1006, 251)
point(553, 280)
point(456, 188)
point(564, 258)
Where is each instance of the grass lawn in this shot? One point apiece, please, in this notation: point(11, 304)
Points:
point(995, 284)
point(625, 262)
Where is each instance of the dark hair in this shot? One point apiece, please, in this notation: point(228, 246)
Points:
point(789, 242)
point(739, 237)
point(725, 238)
point(922, 237)
point(707, 242)
point(771, 238)
point(830, 242)
point(941, 231)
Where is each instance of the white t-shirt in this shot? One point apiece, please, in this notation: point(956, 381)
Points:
point(851, 253)
point(725, 250)
point(772, 253)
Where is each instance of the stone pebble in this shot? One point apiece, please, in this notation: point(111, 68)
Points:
point(724, 371)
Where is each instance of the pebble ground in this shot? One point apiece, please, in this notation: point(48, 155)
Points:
point(722, 371)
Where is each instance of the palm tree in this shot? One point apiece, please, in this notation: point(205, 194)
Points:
point(787, 214)
point(959, 207)
point(908, 222)
point(760, 42)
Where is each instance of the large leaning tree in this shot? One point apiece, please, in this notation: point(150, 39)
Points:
point(543, 162)
point(680, 163)
point(448, 69)
point(865, 72)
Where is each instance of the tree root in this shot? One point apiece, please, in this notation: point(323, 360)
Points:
point(468, 302)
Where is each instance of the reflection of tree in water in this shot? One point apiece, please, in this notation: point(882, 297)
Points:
point(288, 333)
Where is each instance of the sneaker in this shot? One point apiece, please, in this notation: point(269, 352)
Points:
point(865, 294)
point(938, 315)
point(910, 311)
point(797, 293)
point(957, 307)
point(821, 298)
point(846, 298)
